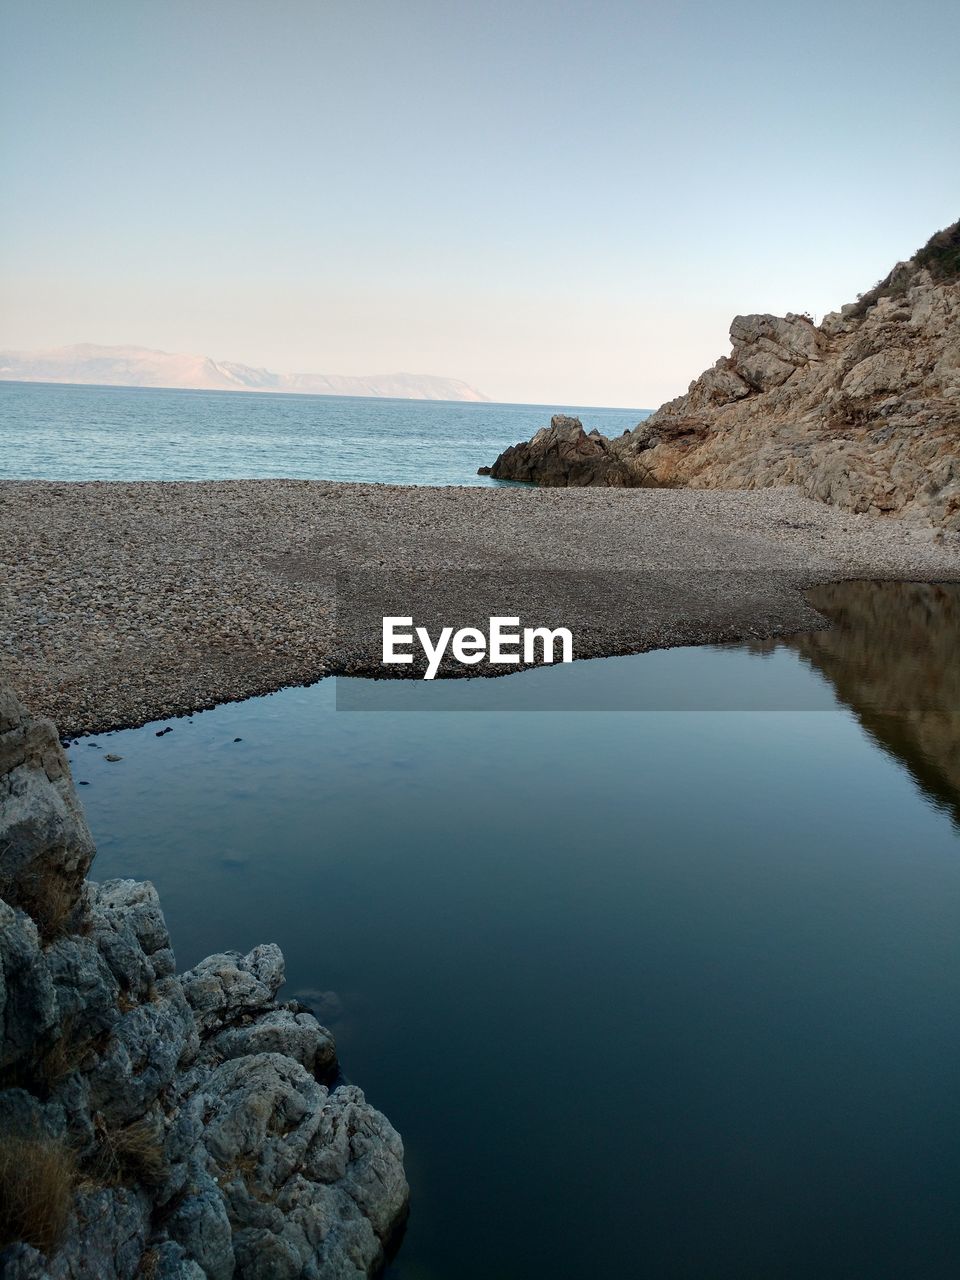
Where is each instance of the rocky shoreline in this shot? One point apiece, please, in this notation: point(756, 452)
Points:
point(126, 603)
point(861, 411)
point(152, 1123)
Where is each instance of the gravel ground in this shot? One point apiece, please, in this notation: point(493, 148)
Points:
point(125, 603)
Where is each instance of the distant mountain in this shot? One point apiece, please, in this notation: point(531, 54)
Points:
point(142, 367)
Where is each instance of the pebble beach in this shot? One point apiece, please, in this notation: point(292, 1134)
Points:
point(124, 603)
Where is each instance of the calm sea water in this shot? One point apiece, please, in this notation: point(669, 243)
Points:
point(670, 994)
point(53, 432)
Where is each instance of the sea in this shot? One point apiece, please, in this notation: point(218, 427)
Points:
point(669, 992)
point(56, 432)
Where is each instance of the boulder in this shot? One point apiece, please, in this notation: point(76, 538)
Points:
point(45, 843)
point(564, 454)
point(225, 986)
point(294, 1034)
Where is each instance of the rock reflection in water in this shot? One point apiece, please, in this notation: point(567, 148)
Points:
point(892, 657)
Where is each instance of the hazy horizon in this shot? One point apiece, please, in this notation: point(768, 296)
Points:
point(555, 404)
point(551, 203)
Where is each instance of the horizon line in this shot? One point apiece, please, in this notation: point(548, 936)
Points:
point(316, 395)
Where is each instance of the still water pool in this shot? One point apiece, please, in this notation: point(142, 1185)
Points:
point(665, 993)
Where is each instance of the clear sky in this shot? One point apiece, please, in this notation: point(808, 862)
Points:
point(558, 202)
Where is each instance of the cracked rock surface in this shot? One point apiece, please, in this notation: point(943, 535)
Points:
point(203, 1120)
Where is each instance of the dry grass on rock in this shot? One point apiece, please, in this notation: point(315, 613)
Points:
point(37, 1178)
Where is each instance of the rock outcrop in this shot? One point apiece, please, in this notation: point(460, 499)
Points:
point(156, 1124)
point(862, 410)
point(564, 454)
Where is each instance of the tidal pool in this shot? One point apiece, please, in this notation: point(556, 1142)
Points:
point(666, 993)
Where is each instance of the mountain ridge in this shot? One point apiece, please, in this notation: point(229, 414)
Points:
point(87, 363)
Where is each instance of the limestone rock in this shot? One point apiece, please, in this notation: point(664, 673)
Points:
point(862, 410)
point(107, 1236)
point(211, 1137)
point(200, 1225)
point(45, 843)
point(142, 1055)
point(172, 1262)
point(328, 1162)
point(23, 1115)
point(29, 1013)
point(86, 989)
point(767, 349)
point(296, 1035)
point(563, 454)
point(224, 986)
point(134, 903)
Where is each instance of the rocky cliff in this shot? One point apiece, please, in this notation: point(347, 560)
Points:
point(862, 410)
point(156, 1124)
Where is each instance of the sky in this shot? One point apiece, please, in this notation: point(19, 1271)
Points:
point(557, 202)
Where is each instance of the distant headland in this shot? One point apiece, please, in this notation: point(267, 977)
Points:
point(88, 363)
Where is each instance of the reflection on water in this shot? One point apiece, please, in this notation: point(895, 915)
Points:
point(668, 994)
point(893, 657)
